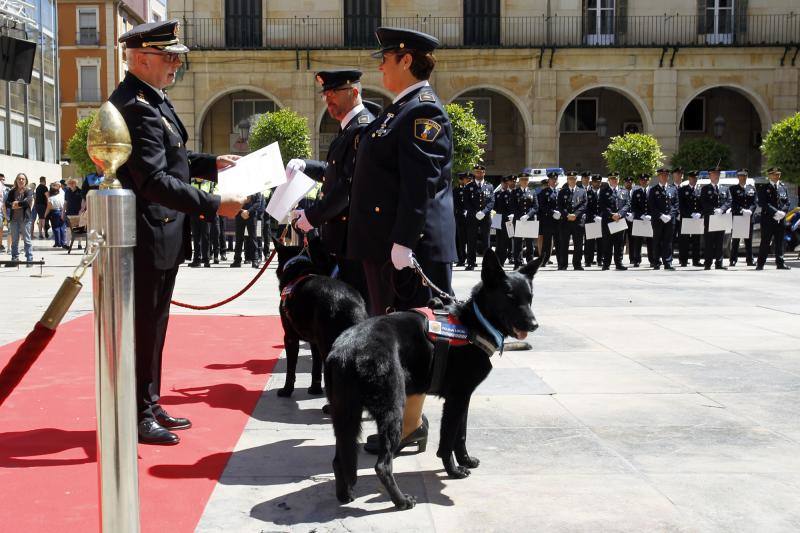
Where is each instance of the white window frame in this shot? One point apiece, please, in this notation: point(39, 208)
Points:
point(487, 125)
point(88, 62)
point(597, 38)
point(703, 129)
point(716, 12)
point(84, 112)
point(235, 127)
point(596, 114)
point(87, 9)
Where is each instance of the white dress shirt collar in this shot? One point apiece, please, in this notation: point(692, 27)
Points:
point(418, 85)
point(350, 114)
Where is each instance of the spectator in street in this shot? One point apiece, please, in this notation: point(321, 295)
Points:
point(91, 182)
point(3, 210)
point(55, 214)
point(40, 206)
point(19, 201)
point(72, 198)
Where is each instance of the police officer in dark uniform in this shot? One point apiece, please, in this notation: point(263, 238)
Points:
point(402, 198)
point(158, 172)
point(479, 202)
point(505, 205)
point(527, 207)
point(246, 220)
point(689, 203)
point(592, 248)
point(613, 203)
point(638, 211)
point(743, 203)
point(673, 193)
point(662, 210)
point(341, 90)
point(460, 214)
point(712, 202)
point(549, 216)
point(774, 201)
point(572, 206)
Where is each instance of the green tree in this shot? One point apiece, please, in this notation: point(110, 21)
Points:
point(285, 126)
point(633, 153)
point(781, 147)
point(469, 137)
point(76, 146)
point(702, 154)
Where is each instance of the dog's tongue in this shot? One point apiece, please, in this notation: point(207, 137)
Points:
point(520, 334)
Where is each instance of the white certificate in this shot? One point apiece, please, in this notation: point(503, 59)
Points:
point(527, 229)
point(510, 228)
point(642, 228)
point(255, 172)
point(286, 196)
point(741, 227)
point(497, 221)
point(723, 222)
point(594, 230)
point(692, 226)
point(619, 225)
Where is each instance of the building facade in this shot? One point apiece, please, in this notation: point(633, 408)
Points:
point(29, 112)
point(552, 80)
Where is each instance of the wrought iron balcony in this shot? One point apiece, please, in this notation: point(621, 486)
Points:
point(497, 32)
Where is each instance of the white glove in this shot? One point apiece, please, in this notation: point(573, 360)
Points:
point(523, 218)
point(779, 215)
point(465, 212)
point(480, 215)
point(648, 218)
point(293, 166)
point(510, 218)
point(629, 217)
point(300, 220)
point(747, 212)
point(695, 215)
point(717, 211)
point(401, 256)
point(665, 218)
point(557, 215)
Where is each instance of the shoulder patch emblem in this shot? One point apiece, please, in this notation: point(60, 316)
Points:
point(140, 97)
point(363, 119)
point(426, 129)
point(426, 96)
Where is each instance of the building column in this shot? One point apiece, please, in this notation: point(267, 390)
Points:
point(665, 110)
point(785, 95)
point(543, 139)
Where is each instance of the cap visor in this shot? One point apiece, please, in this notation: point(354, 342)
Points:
point(176, 49)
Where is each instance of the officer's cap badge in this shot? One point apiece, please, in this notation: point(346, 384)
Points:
point(426, 129)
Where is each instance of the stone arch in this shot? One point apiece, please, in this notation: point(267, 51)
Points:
point(209, 103)
point(515, 99)
point(638, 103)
point(752, 96)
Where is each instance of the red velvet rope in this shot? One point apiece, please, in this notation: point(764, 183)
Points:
point(23, 359)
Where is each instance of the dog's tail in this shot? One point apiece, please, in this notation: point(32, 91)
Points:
point(346, 409)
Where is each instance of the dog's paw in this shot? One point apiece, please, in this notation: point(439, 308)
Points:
point(285, 392)
point(345, 495)
point(469, 462)
point(315, 388)
point(406, 503)
point(458, 472)
point(326, 409)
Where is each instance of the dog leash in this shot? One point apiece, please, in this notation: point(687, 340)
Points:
point(427, 281)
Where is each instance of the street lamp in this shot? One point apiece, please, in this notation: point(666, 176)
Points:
point(602, 126)
point(719, 126)
point(244, 129)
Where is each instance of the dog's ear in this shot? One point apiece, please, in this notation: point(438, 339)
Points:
point(492, 271)
point(529, 270)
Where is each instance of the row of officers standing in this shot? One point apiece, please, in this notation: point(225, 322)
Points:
point(563, 212)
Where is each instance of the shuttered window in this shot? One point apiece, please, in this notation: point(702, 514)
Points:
point(243, 24)
point(361, 19)
point(481, 22)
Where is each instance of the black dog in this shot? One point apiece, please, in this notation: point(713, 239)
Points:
point(314, 308)
point(377, 363)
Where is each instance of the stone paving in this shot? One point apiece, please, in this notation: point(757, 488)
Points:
point(651, 401)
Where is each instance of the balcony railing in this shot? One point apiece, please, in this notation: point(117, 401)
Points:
point(88, 94)
point(88, 36)
point(496, 32)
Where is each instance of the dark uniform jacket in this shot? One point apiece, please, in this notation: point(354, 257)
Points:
point(505, 203)
point(527, 202)
point(254, 204)
point(610, 202)
point(658, 201)
point(689, 201)
point(329, 213)
point(639, 203)
point(478, 198)
point(158, 172)
point(773, 199)
point(672, 199)
point(591, 204)
point(742, 198)
point(572, 203)
point(711, 198)
point(402, 191)
point(548, 203)
point(459, 197)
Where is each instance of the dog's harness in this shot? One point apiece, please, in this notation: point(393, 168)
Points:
point(286, 295)
point(444, 330)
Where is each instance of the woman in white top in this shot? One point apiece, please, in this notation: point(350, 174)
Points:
point(55, 210)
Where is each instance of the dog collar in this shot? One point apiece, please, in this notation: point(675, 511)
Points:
point(498, 337)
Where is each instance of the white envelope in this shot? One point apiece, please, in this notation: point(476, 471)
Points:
point(642, 228)
point(741, 227)
point(286, 196)
point(527, 229)
point(255, 172)
point(497, 220)
point(510, 228)
point(594, 230)
point(692, 226)
point(619, 225)
point(723, 222)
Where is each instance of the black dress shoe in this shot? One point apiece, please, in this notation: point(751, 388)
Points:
point(256, 264)
point(707, 267)
point(751, 263)
point(236, 264)
point(783, 267)
point(760, 267)
point(223, 257)
point(606, 267)
point(207, 264)
point(170, 422)
point(669, 267)
point(151, 432)
point(720, 267)
point(656, 267)
point(697, 264)
point(194, 264)
point(562, 268)
point(419, 437)
point(577, 268)
point(460, 264)
point(621, 267)
point(470, 267)
point(684, 264)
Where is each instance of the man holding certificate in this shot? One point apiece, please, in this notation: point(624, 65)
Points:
point(663, 214)
point(774, 201)
point(713, 202)
point(613, 204)
point(743, 198)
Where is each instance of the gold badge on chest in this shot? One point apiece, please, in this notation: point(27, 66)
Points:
point(170, 128)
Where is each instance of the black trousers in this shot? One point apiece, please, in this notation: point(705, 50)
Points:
point(200, 239)
point(504, 244)
point(217, 236)
point(477, 237)
point(687, 243)
point(152, 295)
point(592, 252)
point(461, 238)
point(250, 226)
point(390, 289)
point(613, 245)
point(771, 235)
point(529, 246)
point(352, 273)
point(574, 231)
point(748, 247)
point(713, 246)
point(634, 248)
point(662, 242)
point(548, 229)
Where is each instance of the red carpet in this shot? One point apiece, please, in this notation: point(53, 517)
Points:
point(214, 371)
